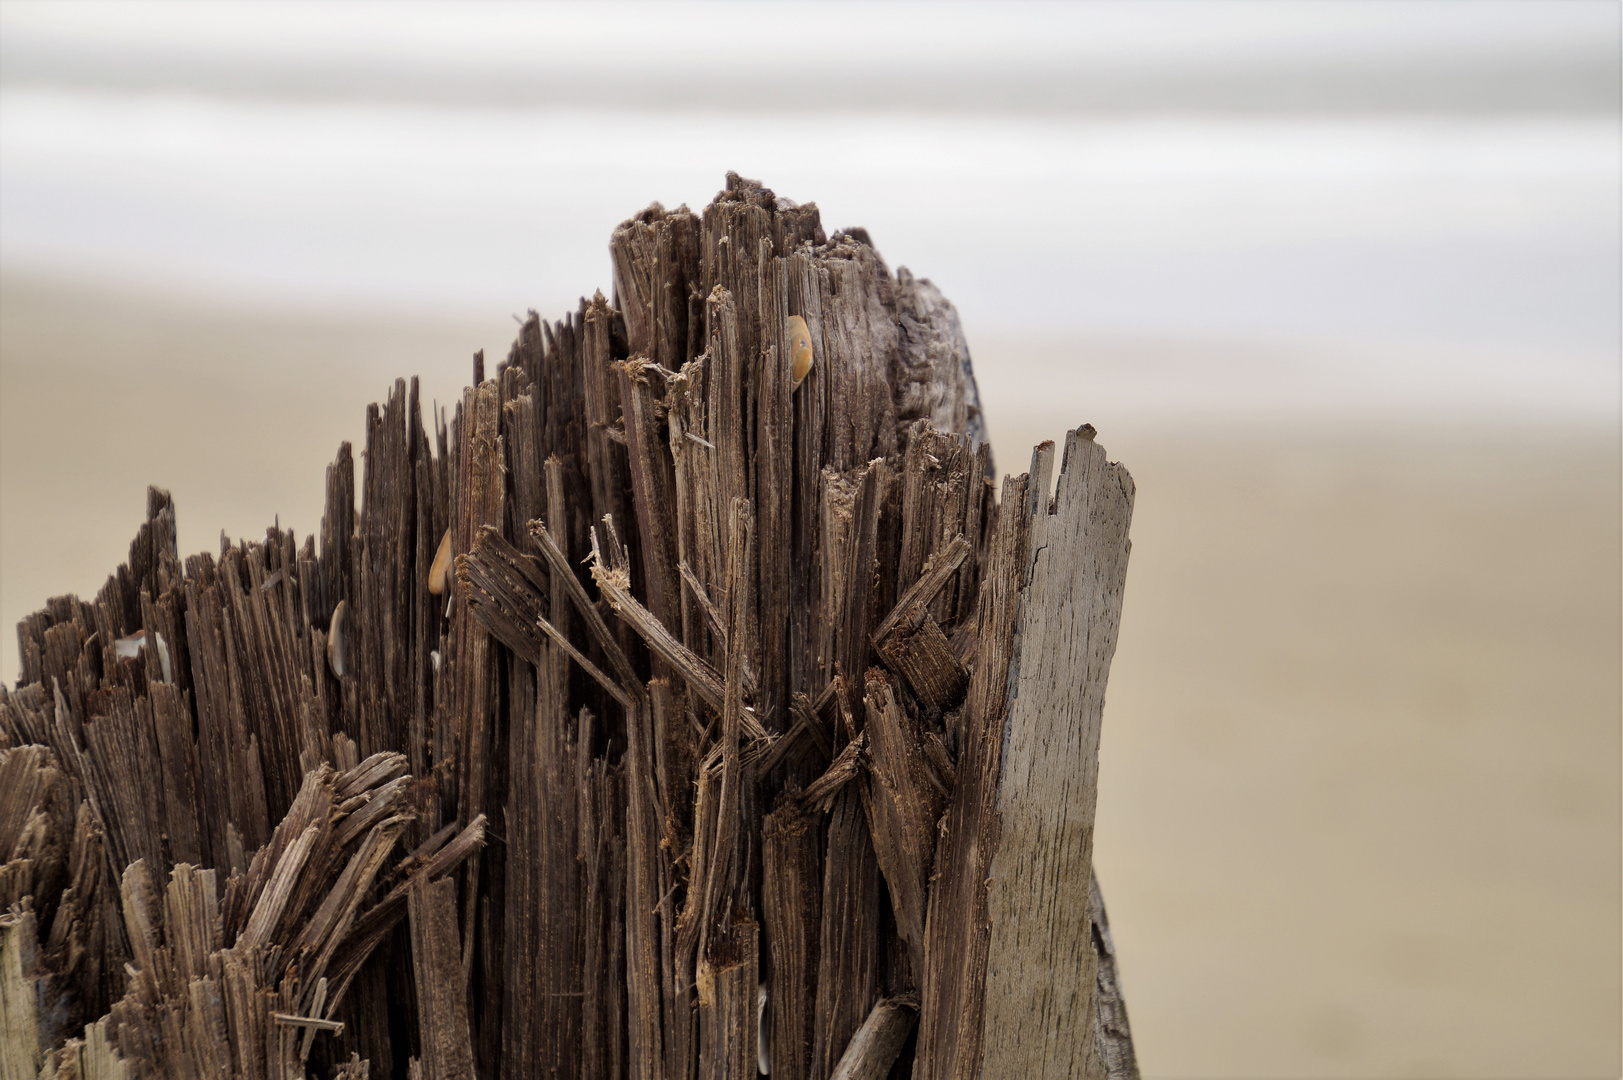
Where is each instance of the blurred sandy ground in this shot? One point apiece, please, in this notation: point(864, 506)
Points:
point(1338, 282)
point(1359, 797)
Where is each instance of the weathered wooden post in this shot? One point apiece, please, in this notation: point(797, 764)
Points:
point(693, 704)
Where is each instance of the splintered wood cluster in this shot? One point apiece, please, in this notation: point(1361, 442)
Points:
point(692, 704)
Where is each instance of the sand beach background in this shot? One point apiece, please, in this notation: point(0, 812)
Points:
point(1347, 307)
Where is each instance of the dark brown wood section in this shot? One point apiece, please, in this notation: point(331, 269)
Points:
point(658, 713)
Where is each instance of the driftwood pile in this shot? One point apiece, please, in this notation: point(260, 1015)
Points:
point(692, 704)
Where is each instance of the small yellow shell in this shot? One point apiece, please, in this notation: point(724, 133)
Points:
point(440, 573)
point(800, 348)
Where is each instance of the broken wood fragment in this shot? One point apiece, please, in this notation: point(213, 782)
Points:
point(314, 1023)
point(902, 807)
point(873, 1049)
point(820, 793)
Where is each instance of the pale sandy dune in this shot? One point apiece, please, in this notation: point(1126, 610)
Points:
point(1360, 780)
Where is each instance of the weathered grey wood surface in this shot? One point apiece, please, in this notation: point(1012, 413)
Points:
point(781, 723)
point(1040, 1003)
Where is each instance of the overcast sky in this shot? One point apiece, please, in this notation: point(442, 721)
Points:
point(1416, 202)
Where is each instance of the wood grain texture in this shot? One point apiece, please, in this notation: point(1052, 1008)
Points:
point(848, 969)
point(442, 1001)
point(1040, 1004)
point(874, 1048)
point(791, 894)
point(902, 805)
point(20, 1055)
point(952, 985)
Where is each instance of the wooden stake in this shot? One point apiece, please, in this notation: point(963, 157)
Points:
point(782, 720)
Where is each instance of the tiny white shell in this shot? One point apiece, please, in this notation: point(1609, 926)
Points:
point(163, 656)
point(763, 1055)
point(335, 640)
point(127, 647)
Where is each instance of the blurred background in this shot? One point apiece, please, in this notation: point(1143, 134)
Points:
point(1338, 281)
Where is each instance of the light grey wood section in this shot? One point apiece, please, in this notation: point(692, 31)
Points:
point(1040, 1002)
